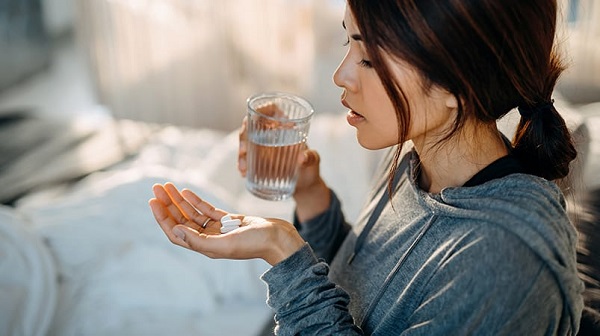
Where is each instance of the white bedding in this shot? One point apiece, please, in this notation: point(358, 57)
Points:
point(105, 267)
point(27, 283)
point(118, 273)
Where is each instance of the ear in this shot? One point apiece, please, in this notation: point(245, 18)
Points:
point(451, 101)
point(444, 97)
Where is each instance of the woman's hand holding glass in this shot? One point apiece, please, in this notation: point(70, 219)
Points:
point(312, 196)
point(193, 223)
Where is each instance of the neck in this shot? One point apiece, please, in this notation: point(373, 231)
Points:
point(454, 161)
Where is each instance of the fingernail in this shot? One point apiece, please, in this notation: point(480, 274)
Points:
point(304, 156)
point(179, 233)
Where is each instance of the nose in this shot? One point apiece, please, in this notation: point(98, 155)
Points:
point(343, 76)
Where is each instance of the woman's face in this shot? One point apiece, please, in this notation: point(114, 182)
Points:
point(371, 110)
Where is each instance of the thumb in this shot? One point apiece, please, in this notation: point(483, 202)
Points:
point(185, 236)
point(179, 232)
point(191, 239)
point(310, 157)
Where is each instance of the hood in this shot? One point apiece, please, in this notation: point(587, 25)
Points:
point(534, 209)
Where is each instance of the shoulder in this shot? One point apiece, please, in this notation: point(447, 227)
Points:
point(526, 206)
point(504, 279)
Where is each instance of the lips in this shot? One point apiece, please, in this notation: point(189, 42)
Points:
point(350, 108)
point(346, 104)
point(353, 118)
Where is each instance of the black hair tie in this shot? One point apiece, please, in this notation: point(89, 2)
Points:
point(527, 112)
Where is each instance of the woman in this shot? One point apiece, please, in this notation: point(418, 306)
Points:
point(465, 232)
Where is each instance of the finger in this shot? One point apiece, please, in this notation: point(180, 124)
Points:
point(203, 206)
point(159, 212)
point(270, 109)
point(164, 220)
point(242, 165)
point(243, 147)
point(213, 246)
point(184, 235)
point(243, 129)
point(163, 196)
point(310, 157)
point(210, 226)
point(191, 239)
point(195, 218)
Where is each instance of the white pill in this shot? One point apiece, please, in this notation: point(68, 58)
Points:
point(226, 229)
point(232, 222)
point(225, 218)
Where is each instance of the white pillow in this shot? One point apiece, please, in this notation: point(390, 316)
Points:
point(591, 168)
point(27, 278)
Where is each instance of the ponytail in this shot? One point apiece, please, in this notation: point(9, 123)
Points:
point(543, 142)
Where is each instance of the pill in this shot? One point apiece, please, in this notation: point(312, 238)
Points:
point(226, 229)
point(225, 218)
point(233, 222)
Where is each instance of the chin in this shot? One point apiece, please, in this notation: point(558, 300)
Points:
point(370, 143)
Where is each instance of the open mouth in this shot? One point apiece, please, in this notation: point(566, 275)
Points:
point(355, 114)
point(353, 117)
point(345, 103)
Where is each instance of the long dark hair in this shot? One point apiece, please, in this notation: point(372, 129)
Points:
point(492, 55)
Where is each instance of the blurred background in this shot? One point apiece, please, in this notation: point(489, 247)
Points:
point(100, 99)
point(194, 62)
point(186, 62)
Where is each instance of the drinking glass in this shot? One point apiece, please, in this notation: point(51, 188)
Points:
point(277, 129)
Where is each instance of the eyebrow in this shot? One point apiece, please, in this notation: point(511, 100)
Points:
point(355, 37)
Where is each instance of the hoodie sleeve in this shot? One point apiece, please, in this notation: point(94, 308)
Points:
point(305, 301)
point(326, 232)
point(471, 292)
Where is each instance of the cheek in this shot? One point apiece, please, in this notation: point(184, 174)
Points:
point(382, 129)
point(430, 117)
point(388, 125)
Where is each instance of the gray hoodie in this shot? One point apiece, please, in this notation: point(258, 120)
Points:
point(494, 259)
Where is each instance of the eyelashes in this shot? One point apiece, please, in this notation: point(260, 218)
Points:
point(363, 62)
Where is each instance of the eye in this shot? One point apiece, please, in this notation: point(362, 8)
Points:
point(346, 43)
point(365, 63)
